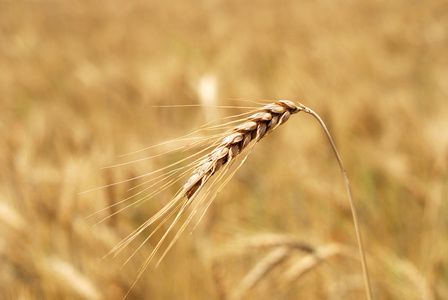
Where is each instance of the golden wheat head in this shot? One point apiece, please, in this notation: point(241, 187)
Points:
point(212, 170)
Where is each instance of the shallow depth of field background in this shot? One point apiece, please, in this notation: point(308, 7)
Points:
point(77, 82)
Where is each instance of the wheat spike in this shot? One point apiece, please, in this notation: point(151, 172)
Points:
point(225, 150)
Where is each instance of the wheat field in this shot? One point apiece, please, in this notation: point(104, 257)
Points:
point(82, 82)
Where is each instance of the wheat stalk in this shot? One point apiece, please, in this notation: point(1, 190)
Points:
point(216, 164)
point(351, 202)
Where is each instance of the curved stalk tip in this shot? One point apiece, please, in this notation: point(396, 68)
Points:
point(350, 199)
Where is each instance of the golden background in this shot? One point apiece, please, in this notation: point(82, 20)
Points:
point(78, 84)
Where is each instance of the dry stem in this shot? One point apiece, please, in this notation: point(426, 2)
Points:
point(351, 201)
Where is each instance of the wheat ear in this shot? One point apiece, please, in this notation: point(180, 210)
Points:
point(234, 142)
point(237, 139)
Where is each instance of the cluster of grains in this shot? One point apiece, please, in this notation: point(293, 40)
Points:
point(236, 140)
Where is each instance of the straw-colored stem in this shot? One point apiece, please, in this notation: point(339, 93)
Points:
point(351, 201)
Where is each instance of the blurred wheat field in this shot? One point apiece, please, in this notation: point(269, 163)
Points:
point(78, 84)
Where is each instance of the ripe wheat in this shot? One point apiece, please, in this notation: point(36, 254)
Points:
point(225, 150)
point(216, 164)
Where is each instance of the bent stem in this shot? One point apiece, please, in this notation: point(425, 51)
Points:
point(350, 199)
